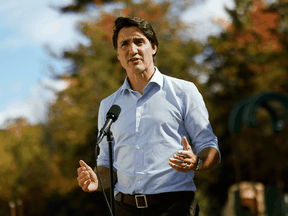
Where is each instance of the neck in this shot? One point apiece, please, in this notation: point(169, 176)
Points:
point(138, 81)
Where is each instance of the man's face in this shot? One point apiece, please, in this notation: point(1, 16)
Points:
point(134, 50)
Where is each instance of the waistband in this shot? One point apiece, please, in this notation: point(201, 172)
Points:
point(143, 201)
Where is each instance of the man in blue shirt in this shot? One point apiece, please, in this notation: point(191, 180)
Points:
point(161, 137)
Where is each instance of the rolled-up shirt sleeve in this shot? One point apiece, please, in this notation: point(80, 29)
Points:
point(196, 119)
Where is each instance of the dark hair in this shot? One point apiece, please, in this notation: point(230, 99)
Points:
point(142, 24)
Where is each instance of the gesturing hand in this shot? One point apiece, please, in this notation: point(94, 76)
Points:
point(186, 156)
point(87, 179)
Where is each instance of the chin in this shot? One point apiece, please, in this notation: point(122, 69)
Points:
point(137, 70)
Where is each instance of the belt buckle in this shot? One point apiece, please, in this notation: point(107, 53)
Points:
point(145, 200)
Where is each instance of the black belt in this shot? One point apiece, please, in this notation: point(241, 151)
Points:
point(143, 201)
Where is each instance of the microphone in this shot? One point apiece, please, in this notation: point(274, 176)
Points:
point(111, 117)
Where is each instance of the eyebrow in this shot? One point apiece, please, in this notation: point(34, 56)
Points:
point(139, 39)
point(136, 38)
point(121, 42)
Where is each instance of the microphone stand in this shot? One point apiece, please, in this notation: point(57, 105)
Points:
point(111, 117)
point(110, 140)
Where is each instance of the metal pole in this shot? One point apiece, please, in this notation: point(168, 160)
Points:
point(279, 181)
point(253, 170)
point(110, 141)
point(237, 170)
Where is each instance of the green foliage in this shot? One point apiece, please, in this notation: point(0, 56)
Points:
point(27, 156)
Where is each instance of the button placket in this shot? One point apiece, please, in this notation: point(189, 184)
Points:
point(138, 116)
point(139, 157)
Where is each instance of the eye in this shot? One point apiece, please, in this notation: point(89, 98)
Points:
point(123, 44)
point(139, 42)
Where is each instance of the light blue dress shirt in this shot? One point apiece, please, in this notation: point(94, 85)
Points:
point(149, 131)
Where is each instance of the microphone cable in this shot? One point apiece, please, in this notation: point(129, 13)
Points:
point(111, 116)
point(99, 180)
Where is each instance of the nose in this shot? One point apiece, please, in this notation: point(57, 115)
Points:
point(132, 49)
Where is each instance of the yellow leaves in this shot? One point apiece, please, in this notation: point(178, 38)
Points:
point(271, 76)
point(73, 111)
point(24, 156)
point(59, 183)
point(7, 181)
point(5, 157)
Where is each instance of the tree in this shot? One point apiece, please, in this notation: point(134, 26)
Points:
point(81, 5)
point(250, 54)
point(30, 169)
point(248, 57)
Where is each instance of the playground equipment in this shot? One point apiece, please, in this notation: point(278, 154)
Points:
point(252, 197)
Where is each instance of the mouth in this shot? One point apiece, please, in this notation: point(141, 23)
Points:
point(134, 59)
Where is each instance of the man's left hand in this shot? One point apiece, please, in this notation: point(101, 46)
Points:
point(185, 160)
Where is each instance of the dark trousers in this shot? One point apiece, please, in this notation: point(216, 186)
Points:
point(180, 207)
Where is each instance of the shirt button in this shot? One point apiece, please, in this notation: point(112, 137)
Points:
point(140, 100)
point(139, 166)
point(138, 147)
point(139, 131)
point(139, 182)
point(139, 116)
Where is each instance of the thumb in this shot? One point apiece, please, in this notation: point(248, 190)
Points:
point(186, 144)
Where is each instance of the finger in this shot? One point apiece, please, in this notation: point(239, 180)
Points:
point(179, 163)
point(86, 185)
point(180, 169)
point(83, 175)
point(186, 144)
point(81, 182)
point(80, 170)
point(183, 158)
point(84, 165)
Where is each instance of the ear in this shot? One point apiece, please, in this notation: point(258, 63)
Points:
point(118, 56)
point(154, 48)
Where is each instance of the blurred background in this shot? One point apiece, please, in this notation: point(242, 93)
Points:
point(58, 63)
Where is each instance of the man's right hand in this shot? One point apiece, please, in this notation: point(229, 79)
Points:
point(87, 178)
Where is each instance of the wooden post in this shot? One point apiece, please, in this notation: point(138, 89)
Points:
point(13, 208)
point(20, 207)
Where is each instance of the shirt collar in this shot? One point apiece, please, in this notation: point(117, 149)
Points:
point(125, 86)
point(156, 78)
